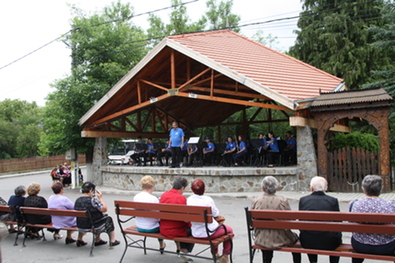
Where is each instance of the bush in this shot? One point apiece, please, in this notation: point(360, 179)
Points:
point(365, 141)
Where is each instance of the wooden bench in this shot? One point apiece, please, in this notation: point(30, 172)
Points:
point(7, 209)
point(320, 221)
point(57, 212)
point(10, 209)
point(186, 213)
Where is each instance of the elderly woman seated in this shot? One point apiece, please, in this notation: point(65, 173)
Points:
point(273, 238)
point(34, 200)
point(380, 244)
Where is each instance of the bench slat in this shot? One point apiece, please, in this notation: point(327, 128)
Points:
point(133, 231)
point(325, 226)
point(164, 207)
point(52, 212)
point(339, 253)
point(323, 216)
point(164, 215)
point(5, 209)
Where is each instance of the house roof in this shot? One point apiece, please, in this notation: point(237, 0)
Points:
point(352, 97)
point(270, 69)
point(241, 71)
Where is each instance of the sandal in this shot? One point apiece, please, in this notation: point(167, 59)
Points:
point(81, 243)
point(57, 236)
point(162, 249)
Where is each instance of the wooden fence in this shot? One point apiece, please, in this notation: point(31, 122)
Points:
point(35, 163)
point(348, 166)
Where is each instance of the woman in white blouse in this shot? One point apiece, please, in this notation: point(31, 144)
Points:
point(145, 224)
point(198, 229)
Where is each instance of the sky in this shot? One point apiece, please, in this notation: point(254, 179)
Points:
point(30, 59)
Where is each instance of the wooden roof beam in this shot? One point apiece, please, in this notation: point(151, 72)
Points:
point(111, 134)
point(234, 101)
point(227, 92)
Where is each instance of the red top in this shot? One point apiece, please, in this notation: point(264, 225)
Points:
point(170, 228)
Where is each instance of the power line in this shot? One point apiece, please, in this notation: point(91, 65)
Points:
point(107, 22)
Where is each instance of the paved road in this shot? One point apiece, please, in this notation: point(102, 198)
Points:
point(231, 206)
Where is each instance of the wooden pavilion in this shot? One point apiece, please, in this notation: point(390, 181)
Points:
point(200, 80)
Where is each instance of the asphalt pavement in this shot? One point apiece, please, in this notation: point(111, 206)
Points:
point(231, 206)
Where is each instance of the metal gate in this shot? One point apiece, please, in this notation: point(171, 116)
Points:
point(348, 166)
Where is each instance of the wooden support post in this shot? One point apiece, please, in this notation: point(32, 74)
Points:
point(212, 83)
point(138, 92)
point(173, 70)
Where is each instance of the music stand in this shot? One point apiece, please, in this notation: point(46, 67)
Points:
point(141, 146)
point(257, 144)
point(193, 140)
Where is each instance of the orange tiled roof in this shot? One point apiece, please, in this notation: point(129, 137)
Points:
point(276, 71)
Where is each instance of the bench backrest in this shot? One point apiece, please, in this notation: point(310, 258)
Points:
point(5, 209)
point(187, 213)
point(52, 212)
point(322, 221)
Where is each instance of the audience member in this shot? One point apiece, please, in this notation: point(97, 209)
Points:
point(59, 201)
point(33, 200)
point(273, 238)
point(17, 200)
point(145, 224)
point(170, 228)
point(66, 175)
point(379, 244)
point(319, 201)
point(176, 142)
point(92, 201)
point(199, 229)
point(55, 175)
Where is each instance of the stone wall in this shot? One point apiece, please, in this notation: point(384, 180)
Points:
point(217, 180)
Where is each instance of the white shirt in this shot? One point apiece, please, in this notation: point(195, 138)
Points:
point(145, 222)
point(199, 229)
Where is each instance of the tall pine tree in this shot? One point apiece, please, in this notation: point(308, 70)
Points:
point(334, 36)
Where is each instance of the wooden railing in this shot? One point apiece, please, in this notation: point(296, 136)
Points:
point(35, 163)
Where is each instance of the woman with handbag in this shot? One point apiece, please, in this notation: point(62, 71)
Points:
point(217, 228)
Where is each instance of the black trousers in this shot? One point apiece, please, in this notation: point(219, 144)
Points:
point(187, 246)
point(175, 156)
point(267, 256)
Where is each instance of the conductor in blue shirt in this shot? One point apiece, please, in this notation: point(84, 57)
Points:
point(176, 142)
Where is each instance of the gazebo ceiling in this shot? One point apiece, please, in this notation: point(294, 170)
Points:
point(189, 78)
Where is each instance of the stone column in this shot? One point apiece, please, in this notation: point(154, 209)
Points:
point(307, 157)
point(100, 158)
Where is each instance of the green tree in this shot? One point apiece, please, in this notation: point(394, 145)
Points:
point(219, 16)
point(20, 129)
point(385, 77)
point(104, 47)
point(267, 40)
point(334, 37)
point(179, 23)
